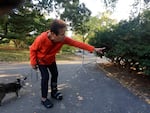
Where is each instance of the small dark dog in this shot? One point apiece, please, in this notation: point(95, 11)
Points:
point(11, 87)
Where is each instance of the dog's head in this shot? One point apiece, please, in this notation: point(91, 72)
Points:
point(21, 81)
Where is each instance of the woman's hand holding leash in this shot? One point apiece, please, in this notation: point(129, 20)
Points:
point(35, 67)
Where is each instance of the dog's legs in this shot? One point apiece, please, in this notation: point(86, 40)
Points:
point(0, 102)
point(1, 98)
point(17, 93)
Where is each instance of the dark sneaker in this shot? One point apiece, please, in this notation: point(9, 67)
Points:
point(57, 95)
point(47, 103)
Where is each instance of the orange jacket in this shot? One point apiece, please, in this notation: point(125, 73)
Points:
point(44, 50)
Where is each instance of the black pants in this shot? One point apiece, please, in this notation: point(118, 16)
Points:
point(44, 69)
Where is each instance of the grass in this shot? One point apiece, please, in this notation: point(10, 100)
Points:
point(13, 55)
point(22, 55)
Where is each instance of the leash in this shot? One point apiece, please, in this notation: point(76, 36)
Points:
point(34, 74)
point(91, 58)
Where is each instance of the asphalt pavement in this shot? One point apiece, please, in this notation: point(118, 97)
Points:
point(86, 89)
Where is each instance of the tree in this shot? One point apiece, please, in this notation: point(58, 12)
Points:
point(98, 23)
point(110, 4)
point(4, 25)
point(23, 22)
point(71, 11)
point(127, 42)
point(77, 14)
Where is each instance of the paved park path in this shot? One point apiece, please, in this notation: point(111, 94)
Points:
point(86, 89)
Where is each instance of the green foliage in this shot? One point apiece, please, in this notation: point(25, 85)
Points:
point(70, 10)
point(67, 49)
point(16, 55)
point(26, 21)
point(110, 3)
point(98, 23)
point(128, 43)
point(4, 40)
point(29, 18)
point(29, 40)
point(78, 15)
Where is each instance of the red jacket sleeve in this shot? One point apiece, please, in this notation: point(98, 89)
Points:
point(78, 44)
point(33, 50)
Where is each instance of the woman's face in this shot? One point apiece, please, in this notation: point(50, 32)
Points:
point(60, 36)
